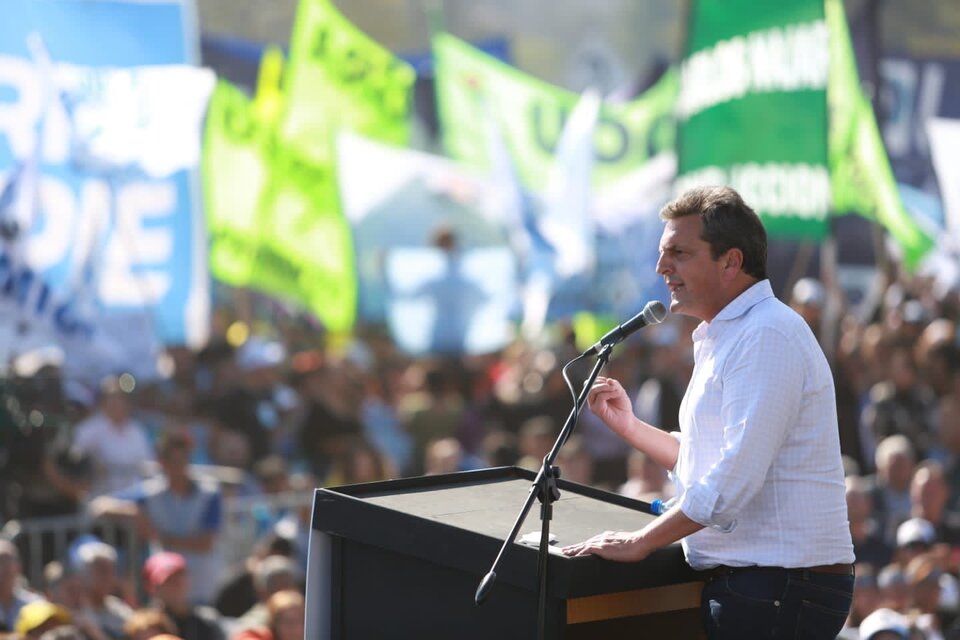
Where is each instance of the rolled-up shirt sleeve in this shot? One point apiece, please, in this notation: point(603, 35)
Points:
point(761, 386)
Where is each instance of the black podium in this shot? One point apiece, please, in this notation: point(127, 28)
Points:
point(402, 559)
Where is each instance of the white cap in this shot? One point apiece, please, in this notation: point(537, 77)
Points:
point(884, 620)
point(916, 530)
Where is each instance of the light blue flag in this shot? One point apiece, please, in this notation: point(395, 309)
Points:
point(141, 236)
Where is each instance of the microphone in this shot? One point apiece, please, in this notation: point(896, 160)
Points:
point(653, 313)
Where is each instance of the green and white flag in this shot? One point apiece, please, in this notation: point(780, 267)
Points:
point(860, 173)
point(273, 217)
point(752, 109)
point(531, 114)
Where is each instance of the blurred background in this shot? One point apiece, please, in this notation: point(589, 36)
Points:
point(253, 248)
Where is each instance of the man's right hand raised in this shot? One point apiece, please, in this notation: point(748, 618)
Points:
point(609, 401)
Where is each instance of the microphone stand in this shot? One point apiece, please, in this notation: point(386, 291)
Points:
point(544, 489)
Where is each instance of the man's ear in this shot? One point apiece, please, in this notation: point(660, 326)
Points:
point(733, 260)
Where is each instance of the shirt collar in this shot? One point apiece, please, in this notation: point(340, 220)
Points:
point(756, 293)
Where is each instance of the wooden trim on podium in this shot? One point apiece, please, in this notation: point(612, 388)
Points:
point(638, 602)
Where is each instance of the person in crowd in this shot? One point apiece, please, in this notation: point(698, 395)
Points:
point(610, 451)
point(923, 578)
point(39, 617)
point(13, 592)
point(850, 375)
point(885, 624)
point(929, 495)
point(758, 440)
point(443, 455)
point(286, 611)
point(902, 404)
point(183, 512)
point(894, 590)
point(575, 461)
point(146, 624)
point(536, 438)
point(238, 593)
point(116, 443)
point(381, 423)
point(62, 586)
point(271, 575)
point(646, 480)
point(333, 394)
point(500, 448)
point(915, 537)
point(97, 570)
point(658, 398)
point(938, 355)
point(869, 545)
point(177, 510)
point(46, 477)
point(808, 298)
point(866, 595)
point(168, 582)
point(360, 462)
point(949, 421)
point(895, 461)
point(436, 412)
point(248, 414)
point(64, 632)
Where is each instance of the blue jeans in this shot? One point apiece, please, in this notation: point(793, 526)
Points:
point(776, 603)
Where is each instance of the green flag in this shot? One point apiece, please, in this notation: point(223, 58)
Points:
point(752, 109)
point(531, 114)
point(235, 173)
point(861, 179)
point(339, 78)
point(273, 216)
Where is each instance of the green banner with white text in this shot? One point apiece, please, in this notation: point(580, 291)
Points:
point(473, 86)
point(752, 109)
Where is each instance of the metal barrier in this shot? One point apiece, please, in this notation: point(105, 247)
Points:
point(246, 520)
point(41, 540)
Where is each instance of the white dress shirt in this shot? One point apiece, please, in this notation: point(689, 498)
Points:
point(759, 463)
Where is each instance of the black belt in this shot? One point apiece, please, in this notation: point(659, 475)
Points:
point(831, 569)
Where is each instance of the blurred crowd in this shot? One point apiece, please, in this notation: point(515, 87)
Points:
point(290, 409)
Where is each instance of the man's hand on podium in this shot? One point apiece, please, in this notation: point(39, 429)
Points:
point(633, 546)
point(621, 546)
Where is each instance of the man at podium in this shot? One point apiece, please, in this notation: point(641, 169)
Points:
point(760, 497)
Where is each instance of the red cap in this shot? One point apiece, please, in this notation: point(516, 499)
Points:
point(160, 566)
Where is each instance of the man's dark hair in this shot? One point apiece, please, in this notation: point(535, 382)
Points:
point(728, 223)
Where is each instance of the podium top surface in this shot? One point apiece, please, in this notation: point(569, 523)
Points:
point(488, 503)
point(461, 520)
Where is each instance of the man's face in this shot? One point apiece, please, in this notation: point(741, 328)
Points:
point(691, 274)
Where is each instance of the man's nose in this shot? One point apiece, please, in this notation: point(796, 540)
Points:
point(662, 264)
